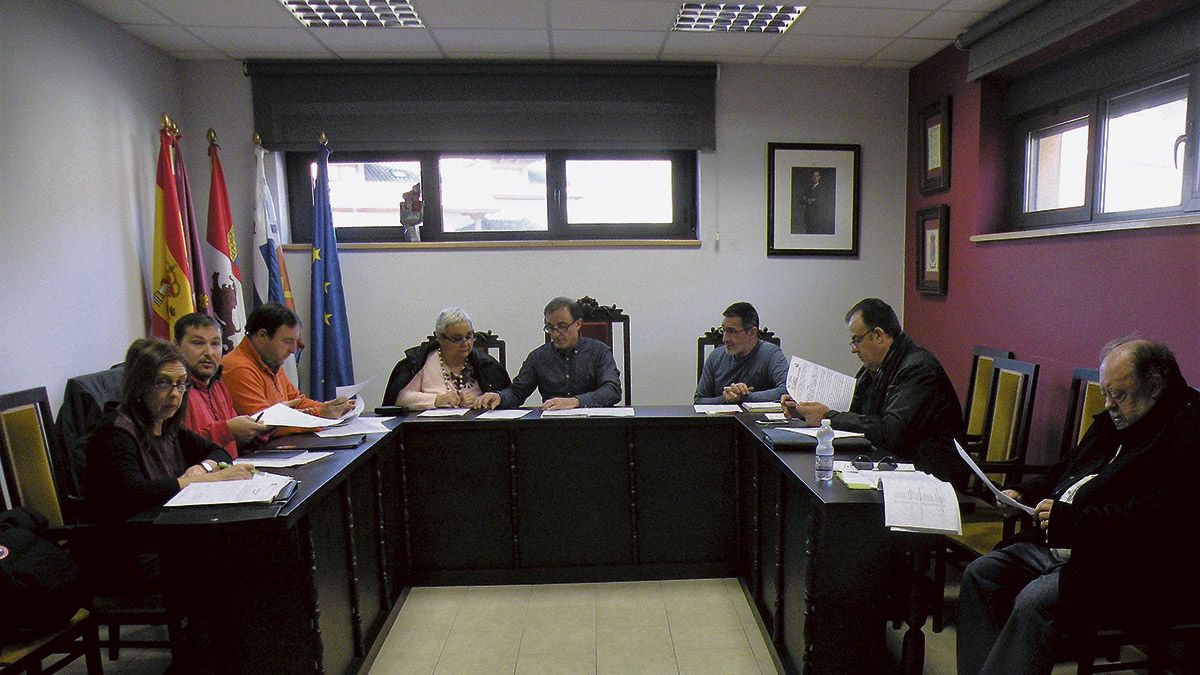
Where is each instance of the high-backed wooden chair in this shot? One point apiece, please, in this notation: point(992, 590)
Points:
point(31, 465)
point(598, 324)
point(1086, 401)
point(979, 388)
point(487, 342)
point(712, 340)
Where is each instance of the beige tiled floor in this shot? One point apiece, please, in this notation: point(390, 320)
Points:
point(695, 626)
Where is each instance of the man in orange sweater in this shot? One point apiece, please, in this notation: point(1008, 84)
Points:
point(252, 373)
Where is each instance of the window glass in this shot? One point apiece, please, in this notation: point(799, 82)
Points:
point(618, 191)
point(493, 193)
point(1142, 165)
point(368, 194)
point(1056, 166)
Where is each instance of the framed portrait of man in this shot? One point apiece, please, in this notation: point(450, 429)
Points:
point(812, 199)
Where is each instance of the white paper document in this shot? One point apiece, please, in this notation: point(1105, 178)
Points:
point(503, 414)
point(589, 412)
point(359, 406)
point(1000, 496)
point(282, 459)
point(279, 415)
point(762, 406)
point(261, 487)
point(716, 408)
point(775, 417)
point(445, 412)
point(812, 431)
point(353, 389)
point(356, 426)
point(918, 502)
point(808, 381)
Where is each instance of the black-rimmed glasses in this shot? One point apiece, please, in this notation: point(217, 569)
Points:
point(163, 386)
point(558, 327)
point(864, 463)
point(458, 339)
point(856, 340)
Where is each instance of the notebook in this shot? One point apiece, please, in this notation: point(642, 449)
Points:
point(312, 442)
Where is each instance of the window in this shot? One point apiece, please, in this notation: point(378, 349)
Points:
point(503, 196)
point(1118, 155)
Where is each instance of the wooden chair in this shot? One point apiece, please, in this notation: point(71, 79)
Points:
point(598, 322)
point(712, 340)
point(30, 467)
point(979, 390)
point(485, 342)
point(1150, 645)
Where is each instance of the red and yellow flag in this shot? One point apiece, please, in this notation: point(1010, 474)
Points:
point(171, 286)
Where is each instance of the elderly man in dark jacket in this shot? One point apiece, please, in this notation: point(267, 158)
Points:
point(1115, 515)
point(903, 401)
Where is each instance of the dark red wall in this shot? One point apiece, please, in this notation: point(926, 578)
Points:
point(1053, 300)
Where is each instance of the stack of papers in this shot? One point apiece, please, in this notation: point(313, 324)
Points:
point(502, 414)
point(260, 488)
point(281, 459)
point(763, 407)
point(917, 502)
point(808, 381)
point(589, 412)
point(356, 426)
point(445, 412)
point(716, 408)
point(812, 431)
point(279, 415)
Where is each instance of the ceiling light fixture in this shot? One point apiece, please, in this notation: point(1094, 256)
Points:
point(355, 13)
point(735, 17)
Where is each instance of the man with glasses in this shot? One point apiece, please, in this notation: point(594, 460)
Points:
point(903, 401)
point(252, 370)
point(1115, 515)
point(569, 371)
point(210, 412)
point(743, 368)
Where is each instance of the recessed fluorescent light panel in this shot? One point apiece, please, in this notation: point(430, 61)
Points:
point(355, 13)
point(735, 17)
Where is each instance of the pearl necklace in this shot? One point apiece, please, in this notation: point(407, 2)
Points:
point(455, 382)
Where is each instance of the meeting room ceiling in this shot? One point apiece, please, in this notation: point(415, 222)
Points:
point(855, 33)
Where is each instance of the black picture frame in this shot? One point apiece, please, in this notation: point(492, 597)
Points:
point(813, 197)
point(933, 129)
point(933, 250)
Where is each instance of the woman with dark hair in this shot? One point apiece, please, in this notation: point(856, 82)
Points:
point(142, 455)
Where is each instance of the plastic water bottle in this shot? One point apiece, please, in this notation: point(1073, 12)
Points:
point(825, 451)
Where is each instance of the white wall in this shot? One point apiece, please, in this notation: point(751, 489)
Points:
point(80, 102)
point(77, 191)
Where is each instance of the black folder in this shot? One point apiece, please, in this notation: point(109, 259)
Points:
point(790, 440)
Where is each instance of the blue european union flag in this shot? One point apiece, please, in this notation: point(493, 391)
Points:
point(331, 365)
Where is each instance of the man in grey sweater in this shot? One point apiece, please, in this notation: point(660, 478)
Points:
point(743, 368)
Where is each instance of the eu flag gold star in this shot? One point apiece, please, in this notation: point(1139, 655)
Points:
point(316, 254)
point(327, 317)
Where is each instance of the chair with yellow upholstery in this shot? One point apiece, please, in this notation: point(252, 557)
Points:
point(29, 470)
point(979, 388)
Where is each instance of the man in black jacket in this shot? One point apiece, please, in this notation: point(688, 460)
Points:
point(1115, 514)
point(903, 401)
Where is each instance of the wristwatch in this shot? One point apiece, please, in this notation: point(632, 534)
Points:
point(208, 465)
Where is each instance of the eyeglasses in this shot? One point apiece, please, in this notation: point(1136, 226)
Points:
point(459, 339)
point(721, 330)
point(856, 340)
point(558, 327)
point(864, 463)
point(163, 386)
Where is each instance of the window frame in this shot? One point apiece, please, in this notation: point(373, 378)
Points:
point(685, 198)
point(1096, 106)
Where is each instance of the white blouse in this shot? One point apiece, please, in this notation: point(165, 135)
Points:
point(421, 392)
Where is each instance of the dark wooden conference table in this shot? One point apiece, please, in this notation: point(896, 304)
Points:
point(308, 586)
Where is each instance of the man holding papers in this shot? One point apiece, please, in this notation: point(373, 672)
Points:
point(903, 401)
point(252, 371)
point(210, 412)
point(743, 368)
point(1116, 515)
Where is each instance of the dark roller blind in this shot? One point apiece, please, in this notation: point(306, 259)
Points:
point(475, 106)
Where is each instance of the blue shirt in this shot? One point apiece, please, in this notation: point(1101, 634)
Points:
point(586, 371)
point(764, 370)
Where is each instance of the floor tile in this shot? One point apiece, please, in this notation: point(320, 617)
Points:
point(558, 595)
point(563, 638)
point(556, 664)
point(717, 662)
point(505, 641)
point(576, 615)
point(634, 613)
point(490, 617)
point(701, 636)
point(636, 663)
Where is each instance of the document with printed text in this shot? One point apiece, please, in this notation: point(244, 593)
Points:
point(262, 487)
point(918, 502)
point(1000, 496)
point(808, 381)
point(279, 415)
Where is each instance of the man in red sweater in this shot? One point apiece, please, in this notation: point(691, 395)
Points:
point(210, 410)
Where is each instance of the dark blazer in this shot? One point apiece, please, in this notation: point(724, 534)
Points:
point(908, 408)
point(1129, 528)
point(491, 375)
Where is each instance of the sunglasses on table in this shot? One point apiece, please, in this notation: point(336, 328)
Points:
point(864, 463)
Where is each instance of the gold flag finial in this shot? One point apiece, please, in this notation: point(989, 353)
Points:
point(167, 124)
point(212, 136)
point(324, 139)
point(257, 140)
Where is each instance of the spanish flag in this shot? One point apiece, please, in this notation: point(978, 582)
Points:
point(171, 286)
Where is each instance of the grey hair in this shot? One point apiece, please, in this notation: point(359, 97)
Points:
point(1149, 359)
point(449, 317)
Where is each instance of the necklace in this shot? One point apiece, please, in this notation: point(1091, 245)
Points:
point(455, 382)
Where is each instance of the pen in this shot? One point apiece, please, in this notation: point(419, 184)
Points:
point(258, 417)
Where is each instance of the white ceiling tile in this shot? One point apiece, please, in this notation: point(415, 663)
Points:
point(815, 61)
point(890, 65)
point(517, 14)
point(493, 42)
point(876, 4)
point(393, 42)
point(255, 13)
point(297, 40)
point(613, 15)
point(168, 38)
point(908, 49)
point(974, 5)
point(600, 41)
point(819, 46)
point(200, 56)
point(125, 11)
point(945, 25)
point(856, 22)
point(718, 46)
